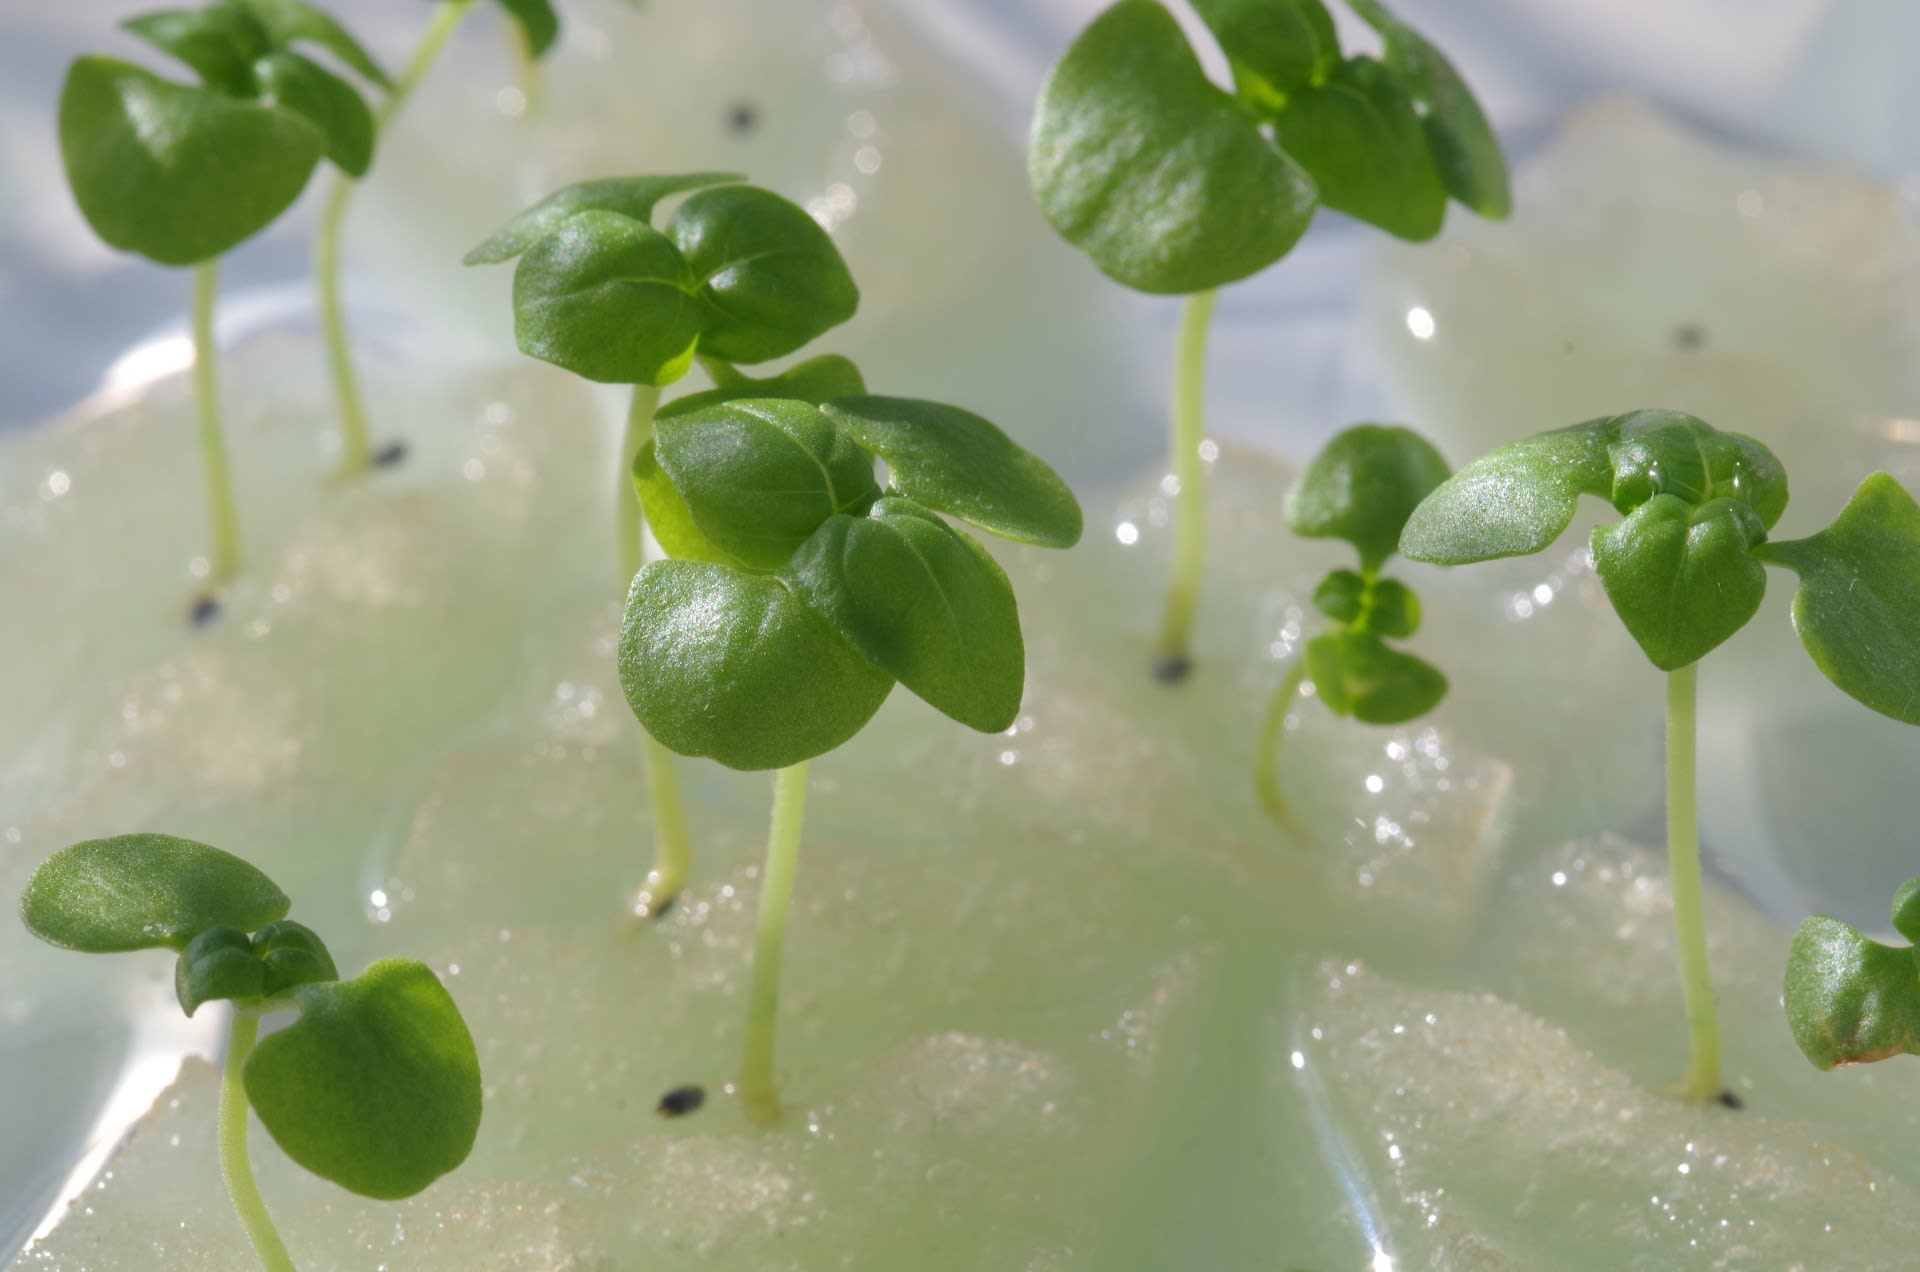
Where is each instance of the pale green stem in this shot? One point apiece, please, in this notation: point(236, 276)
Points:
point(1266, 754)
point(224, 560)
point(1172, 652)
point(1683, 857)
point(355, 448)
point(672, 850)
point(527, 67)
point(757, 1090)
point(233, 1148)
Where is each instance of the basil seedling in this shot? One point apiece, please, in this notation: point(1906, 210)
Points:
point(737, 274)
point(1361, 487)
point(1684, 571)
point(535, 28)
point(183, 173)
point(800, 590)
point(375, 1086)
point(1175, 186)
point(1851, 1000)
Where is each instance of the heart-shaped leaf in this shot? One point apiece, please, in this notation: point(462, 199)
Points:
point(608, 298)
point(177, 174)
point(1850, 1000)
point(814, 381)
point(1362, 487)
point(760, 475)
point(1358, 675)
point(956, 462)
point(1512, 501)
point(217, 965)
point(144, 891)
point(1139, 160)
point(668, 515)
point(1360, 139)
point(295, 21)
point(538, 20)
point(632, 197)
point(376, 1086)
point(1274, 47)
point(770, 278)
point(1858, 606)
point(722, 663)
point(324, 100)
point(219, 41)
point(922, 601)
point(1682, 579)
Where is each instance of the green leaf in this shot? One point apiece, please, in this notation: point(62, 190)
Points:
point(326, 101)
point(1358, 675)
point(668, 515)
point(1392, 610)
point(1906, 910)
point(144, 891)
point(1682, 579)
point(956, 462)
point(1658, 452)
point(538, 20)
point(760, 475)
point(293, 954)
point(922, 601)
point(1363, 486)
point(770, 278)
point(219, 42)
point(632, 197)
point(1360, 139)
point(1463, 145)
point(1850, 1000)
point(1140, 161)
point(218, 964)
point(1341, 596)
point(1273, 46)
point(295, 21)
point(608, 298)
point(814, 381)
point(376, 1086)
point(1858, 606)
point(177, 174)
point(1512, 501)
point(718, 662)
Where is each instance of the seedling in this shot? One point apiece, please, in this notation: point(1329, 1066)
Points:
point(182, 173)
point(1175, 186)
point(1361, 488)
point(376, 1085)
point(535, 28)
point(801, 590)
point(1684, 572)
point(737, 274)
point(1852, 1000)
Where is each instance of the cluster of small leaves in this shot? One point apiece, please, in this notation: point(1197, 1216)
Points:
point(181, 173)
point(1174, 185)
point(376, 1086)
point(1361, 488)
point(737, 274)
point(1684, 568)
point(1850, 999)
point(801, 590)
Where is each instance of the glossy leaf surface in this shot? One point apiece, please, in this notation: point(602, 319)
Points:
point(1362, 487)
point(1682, 579)
point(1512, 501)
point(1138, 159)
point(1849, 999)
point(668, 516)
point(1858, 606)
point(324, 100)
point(218, 964)
point(144, 891)
point(1358, 675)
point(177, 174)
point(1273, 46)
point(922, 601)
point(219, 41)
point(769, 278)
point(376, 1086)
point(722, 663)
point(956, 462)
point(608, 298)
point(1360, 139)
point(760, 475)
point(814, 381)
point(631, 197)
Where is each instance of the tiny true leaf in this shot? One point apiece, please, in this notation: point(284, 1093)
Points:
point(144, 891)
point(217, 964)
point(1357, 674)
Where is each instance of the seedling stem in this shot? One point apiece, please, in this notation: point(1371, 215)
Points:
point(1172, 655)
point(1266, 771)
point(1683, 857)
point(225, 556)
point(776, 892)
point(234, 1164)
